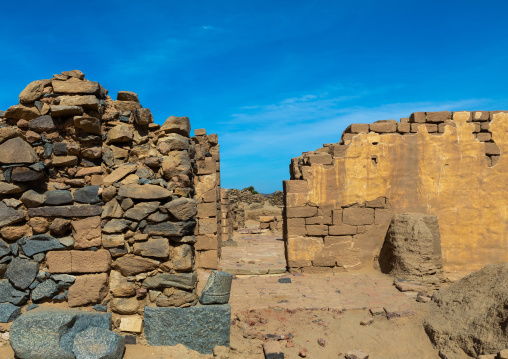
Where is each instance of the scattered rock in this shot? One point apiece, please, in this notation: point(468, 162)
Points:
point(356, 354)
point(217, 288)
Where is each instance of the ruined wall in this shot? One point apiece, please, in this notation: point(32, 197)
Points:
point(208, 196)
point(340, 199)
point(96, 202)
point(226, 216)
point(259, 211)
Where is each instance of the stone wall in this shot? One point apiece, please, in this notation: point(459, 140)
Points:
point(226, 216)
point(208, 196)
point(260, 211)
point(341, 197)
point(97, 202)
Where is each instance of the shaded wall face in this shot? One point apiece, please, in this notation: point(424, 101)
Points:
point(454, 169)
point(96, 201)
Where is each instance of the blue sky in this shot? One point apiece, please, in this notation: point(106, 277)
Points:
point(272, 78)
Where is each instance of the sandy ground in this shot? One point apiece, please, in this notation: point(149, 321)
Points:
point(301, 329)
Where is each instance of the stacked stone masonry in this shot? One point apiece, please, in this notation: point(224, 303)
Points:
point(208, 195)
point(341, 197)
point(98, 203)
point(226, 216)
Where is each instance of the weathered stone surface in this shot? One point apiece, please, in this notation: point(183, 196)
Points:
point(119, 286)
point(170, 229)
point(176, 163)
point(98, 343)
point(58, 197)
point(198, 328)
point(50, 333)
point(115, 226)
point(120, 133)
point(185, 281)
point(78, 261)
point(153, 247)
point(182, 258)
point(9, 188)
point(21, 272)
point(112, 209)
point(59, 226)
point(123, 106)
point(9, 312)
point(88, 124)
point(22, 112)
point(10, 216)
point(125, 305)
point(45, 290)
point(13, 233)
point(132, 323)
point(32, 199)
point(88, 101)
point(32, 92)
point(39, 225)
point(113, 240)
point(7, 133)
point(142, 210)
point(40, 243)
point(130, 265)
point(145, 192)
point(174, 297)
point(87, 232)
point(64, 161)
point(59, 110)
point(66, 211)
point(142, 116)
point(87, 194)
point(127, 96)
point(119, 173)
point(75, 86)
point(74, 73)
point(17, 150)
point(42, 124)
point(24, 174)
point(180, 125)
point(464, 319)
point(412, 248)
point(182, 209)
point(88, 289)
point(12, 295)
point(217, 288)
point(358, 216)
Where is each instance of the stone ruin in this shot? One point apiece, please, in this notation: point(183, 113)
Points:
point(100, 206)
point(341, 198)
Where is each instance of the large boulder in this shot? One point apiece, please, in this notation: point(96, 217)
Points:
point(470, 317)
point(412, 248)
point(98, 343)
point(50, 333)
point(199, 328)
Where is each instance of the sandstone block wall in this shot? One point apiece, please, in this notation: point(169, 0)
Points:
point(226, 216)
point(341, 197)
point(209, 198)
point(96, 201)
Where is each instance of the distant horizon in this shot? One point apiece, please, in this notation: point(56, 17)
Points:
point(272, 79)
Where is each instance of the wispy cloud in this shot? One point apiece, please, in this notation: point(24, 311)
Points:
point(266, 137)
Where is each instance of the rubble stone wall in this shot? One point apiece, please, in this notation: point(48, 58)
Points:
point(209, 199)
point(341, 197)
point(97, 202)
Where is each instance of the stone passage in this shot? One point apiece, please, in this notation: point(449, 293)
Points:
point(98, 204)
point(341, 197)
